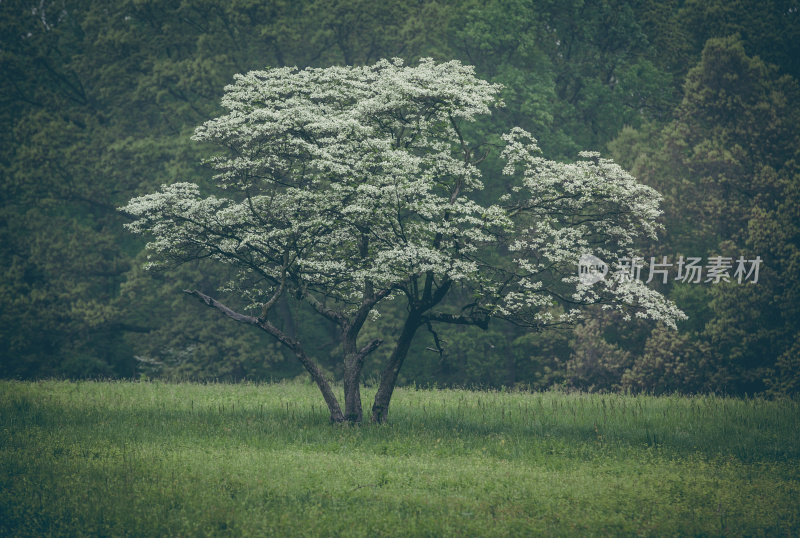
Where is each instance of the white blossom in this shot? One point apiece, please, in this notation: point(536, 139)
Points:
point(342, 180)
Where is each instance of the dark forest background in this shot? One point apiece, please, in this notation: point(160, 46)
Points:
point(698, 99)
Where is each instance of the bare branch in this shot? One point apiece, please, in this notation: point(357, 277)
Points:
point(436, 339)
point(478, 321)
point(311, 367)
point(213, 303)
point(329, 313)
point(366, 350)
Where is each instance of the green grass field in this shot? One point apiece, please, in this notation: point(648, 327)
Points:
point(148, 459)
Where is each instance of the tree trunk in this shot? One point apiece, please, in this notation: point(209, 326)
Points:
point(352, 374)
point(380, 409)
point(353, 365)
point(352, 390)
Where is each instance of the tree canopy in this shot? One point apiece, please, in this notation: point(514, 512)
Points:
point(341, 186)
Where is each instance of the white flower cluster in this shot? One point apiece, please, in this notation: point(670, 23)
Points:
point(344, 180)
point(567, 210)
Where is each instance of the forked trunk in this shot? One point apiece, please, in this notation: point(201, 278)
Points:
point(353, 365)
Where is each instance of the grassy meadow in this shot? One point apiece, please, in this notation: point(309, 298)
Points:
point(151, 458)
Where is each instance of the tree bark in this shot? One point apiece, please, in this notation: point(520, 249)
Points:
point(352, 393)
point(352, 390)
point(380, 408)
point(353, 365)
point(354, 358)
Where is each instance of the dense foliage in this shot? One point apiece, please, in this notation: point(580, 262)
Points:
point(99, 100)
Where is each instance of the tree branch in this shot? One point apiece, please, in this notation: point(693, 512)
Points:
point(329, 313)
point(482, 322)
point(436, 340)
point(310, 366)
point(366, 350)
point(213, 303)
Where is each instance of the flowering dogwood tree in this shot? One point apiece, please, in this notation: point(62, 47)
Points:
point(347, 186)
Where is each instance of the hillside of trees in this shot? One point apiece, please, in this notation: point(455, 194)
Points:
point(698, 99)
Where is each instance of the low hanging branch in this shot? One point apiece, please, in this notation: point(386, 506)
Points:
point(310, 366)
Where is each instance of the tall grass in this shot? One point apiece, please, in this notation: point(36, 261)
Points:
point(115, 458)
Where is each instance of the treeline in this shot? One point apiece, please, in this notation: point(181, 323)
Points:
point(698, 99)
